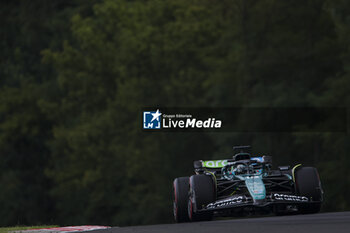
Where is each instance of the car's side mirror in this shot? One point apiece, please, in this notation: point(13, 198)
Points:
point(284, 168)
point(197, 164)
point(267, 159)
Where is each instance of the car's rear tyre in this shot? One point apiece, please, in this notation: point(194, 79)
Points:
point(202, 192)
point(180, 197)
point(308, 184)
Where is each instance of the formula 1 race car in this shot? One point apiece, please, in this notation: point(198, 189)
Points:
point(245, 185)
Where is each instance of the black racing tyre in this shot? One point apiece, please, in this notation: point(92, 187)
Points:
point(202, 192)
point(180, 197)
point(308, 184)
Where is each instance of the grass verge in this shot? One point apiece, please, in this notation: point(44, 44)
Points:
point(19, 228)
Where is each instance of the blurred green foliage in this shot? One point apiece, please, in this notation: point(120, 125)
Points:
point(74, 76)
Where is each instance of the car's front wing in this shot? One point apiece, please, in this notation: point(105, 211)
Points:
point(238, 201)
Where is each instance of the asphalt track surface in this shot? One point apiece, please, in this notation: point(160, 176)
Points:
point(323, 222)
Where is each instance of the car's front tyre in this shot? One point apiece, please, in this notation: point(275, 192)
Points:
point(202, 192)
point(180, 197)
point(308, 184)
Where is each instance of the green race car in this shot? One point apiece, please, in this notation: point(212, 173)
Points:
point(245, 185)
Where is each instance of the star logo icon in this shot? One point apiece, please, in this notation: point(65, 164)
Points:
point(152, 119)
point(156, 115)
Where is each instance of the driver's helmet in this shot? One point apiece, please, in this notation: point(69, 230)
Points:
point(240, 169)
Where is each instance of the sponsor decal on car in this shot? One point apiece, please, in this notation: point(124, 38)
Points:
point(214, 163)
point(286, 197)
point(226, 202)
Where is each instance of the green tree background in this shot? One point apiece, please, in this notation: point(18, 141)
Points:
point(74, 76)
